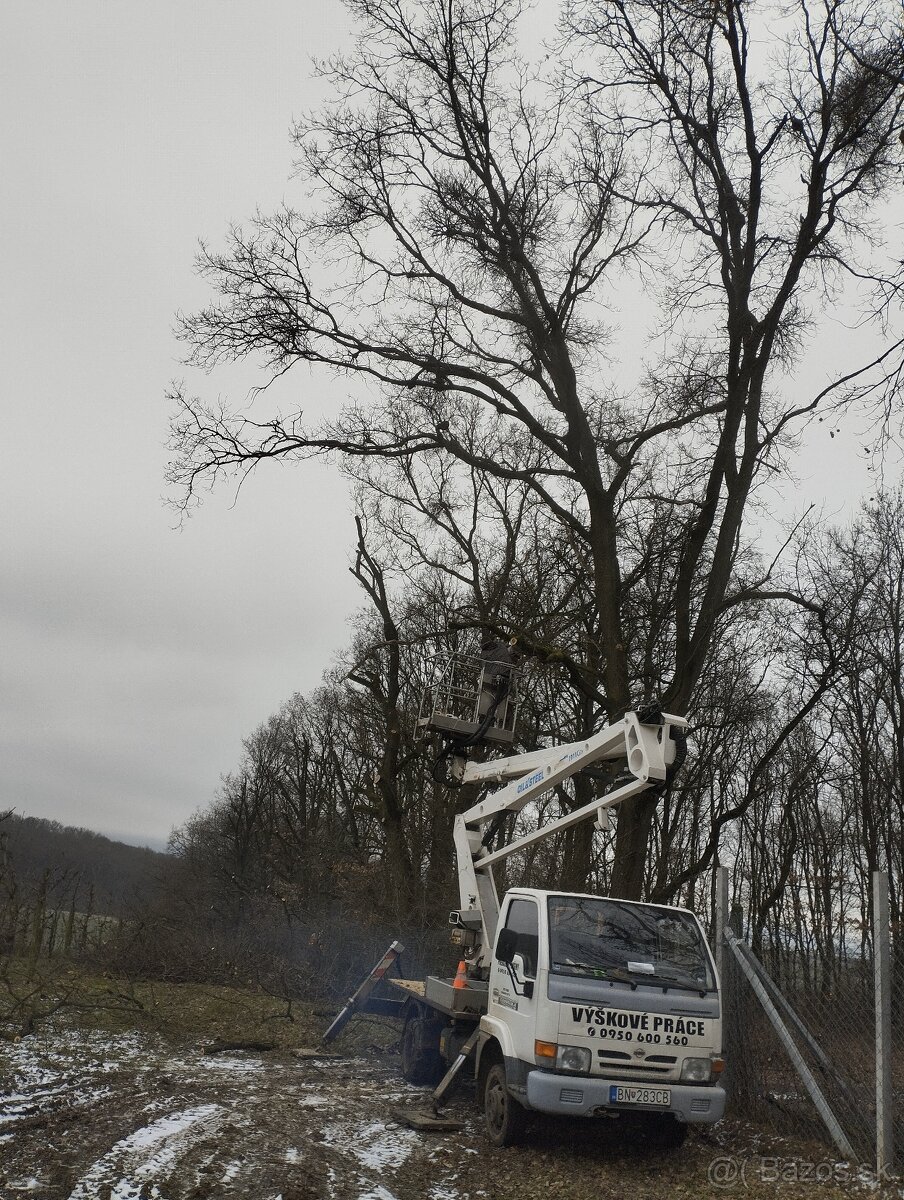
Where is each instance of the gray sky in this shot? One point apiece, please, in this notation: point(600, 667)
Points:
point(134, 658)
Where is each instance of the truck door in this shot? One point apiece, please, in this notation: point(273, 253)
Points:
point(510, 983)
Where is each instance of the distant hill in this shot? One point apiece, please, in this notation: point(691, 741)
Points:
point(97, 872)
point(141, 840)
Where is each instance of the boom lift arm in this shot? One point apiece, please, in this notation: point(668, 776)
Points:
point(649, 750)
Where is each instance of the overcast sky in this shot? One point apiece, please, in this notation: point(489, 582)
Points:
point(134, 657)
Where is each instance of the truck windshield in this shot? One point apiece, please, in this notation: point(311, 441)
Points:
point(634, 943)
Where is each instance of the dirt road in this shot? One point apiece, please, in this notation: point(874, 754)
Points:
point(91, 1116)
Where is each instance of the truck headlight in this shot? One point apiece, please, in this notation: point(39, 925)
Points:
point(573, 1058)
point(696, 1070)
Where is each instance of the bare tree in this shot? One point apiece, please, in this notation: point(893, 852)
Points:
point(464, 220)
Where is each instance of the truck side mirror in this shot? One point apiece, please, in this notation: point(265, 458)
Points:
point(506, 944)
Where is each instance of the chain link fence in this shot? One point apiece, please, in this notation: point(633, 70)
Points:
point(801, 1046)
point(834, 1037)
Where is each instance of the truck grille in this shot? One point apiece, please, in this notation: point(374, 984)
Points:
point(668, 1060)
point(656, 1064)
point(624, 1068)
point(571, 1095)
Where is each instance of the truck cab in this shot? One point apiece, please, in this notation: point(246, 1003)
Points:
point(599, 1007)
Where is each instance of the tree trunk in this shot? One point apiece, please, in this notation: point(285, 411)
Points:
point(635, 819)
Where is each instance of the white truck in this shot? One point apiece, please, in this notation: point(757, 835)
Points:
point(570, 1004)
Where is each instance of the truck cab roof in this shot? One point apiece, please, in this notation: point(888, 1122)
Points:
point(541, 894)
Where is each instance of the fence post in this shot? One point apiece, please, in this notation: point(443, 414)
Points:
point(882, 967)
point(721, 920)
point(733, 1077)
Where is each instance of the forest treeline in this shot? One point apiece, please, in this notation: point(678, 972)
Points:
point(793, 777)
point(83, 869)
point(333, 832)
point(68, 894)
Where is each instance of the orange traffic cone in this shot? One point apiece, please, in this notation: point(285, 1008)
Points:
point(461, 975)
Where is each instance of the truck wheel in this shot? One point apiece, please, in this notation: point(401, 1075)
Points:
point(421, 1060)
point(505, 1118)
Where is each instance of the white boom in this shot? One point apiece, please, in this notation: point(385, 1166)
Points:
point(648, 750)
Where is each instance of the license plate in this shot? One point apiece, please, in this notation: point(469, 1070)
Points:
point(661, 1097)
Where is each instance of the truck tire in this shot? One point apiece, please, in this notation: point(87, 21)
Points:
point(506, 1119)
point(421, 1059)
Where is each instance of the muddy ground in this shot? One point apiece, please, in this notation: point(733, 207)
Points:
point(94, 1115)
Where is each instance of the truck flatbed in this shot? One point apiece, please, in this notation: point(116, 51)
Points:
point(464, 1003)
point(415, 986)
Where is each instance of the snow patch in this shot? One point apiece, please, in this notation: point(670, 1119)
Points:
point(441, 1191)
point(14, 1106)
point(145, 1153)
point(238, 1066)
point(52, 1070)
point(376, 1145)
